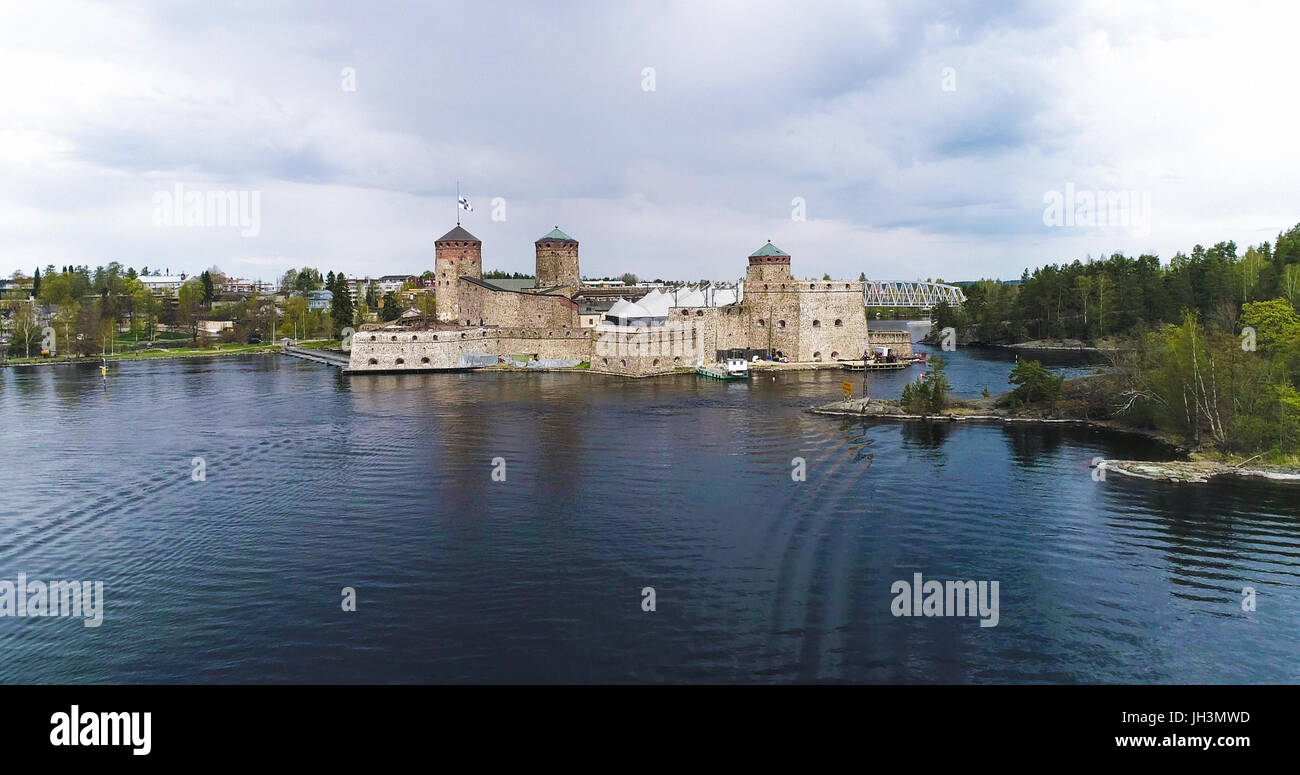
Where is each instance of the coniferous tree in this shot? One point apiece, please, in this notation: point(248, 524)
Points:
point(341, 311)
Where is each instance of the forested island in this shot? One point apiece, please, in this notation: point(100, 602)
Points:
point(1204, 351)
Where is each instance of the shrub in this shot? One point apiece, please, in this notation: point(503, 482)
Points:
point(1035, 383)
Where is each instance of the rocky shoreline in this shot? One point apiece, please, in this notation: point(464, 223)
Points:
point(969, 337)
point(993, 410)
point(1195, 471)
point(973, 412)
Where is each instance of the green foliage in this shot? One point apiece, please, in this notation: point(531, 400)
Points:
point(1275, 323)
point(943, 315)
point(305, 279)
point(1117, 295)
point(991, 308)
point(392, 309)
point(928, 395)
point(1200, 386)
point(1035, 383)
point(188, 304)
point(341, 312)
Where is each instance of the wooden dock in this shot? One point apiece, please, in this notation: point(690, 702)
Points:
point(328, 357)
point(875, 365)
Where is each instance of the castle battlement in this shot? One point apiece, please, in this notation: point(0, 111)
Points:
point(804, 321)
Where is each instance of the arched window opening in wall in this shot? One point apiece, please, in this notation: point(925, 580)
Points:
point(780, 324)
point(373, 362)
point(400, 361)
point(425, 359)
point(817, 324)
point(838, 322)
point(817, 356)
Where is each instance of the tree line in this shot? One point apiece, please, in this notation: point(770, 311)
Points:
point(109, 307)
point(1205, 349)
point(1121, 295)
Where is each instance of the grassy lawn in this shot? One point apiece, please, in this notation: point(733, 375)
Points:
point(218, 349)
point(171, 352)
point(164, 335)
point(320, 344)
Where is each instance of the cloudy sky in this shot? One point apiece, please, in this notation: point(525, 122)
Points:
point(923, 139)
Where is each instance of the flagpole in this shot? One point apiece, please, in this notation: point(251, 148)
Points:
point(458, 203)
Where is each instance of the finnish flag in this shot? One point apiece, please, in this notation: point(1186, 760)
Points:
point(465, 205)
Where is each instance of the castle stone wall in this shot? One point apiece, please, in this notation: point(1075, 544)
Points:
point(643, 351)
point(901, 341)
point(557, 264)
point(833, 321)
point(426, 350)
point(483, 306)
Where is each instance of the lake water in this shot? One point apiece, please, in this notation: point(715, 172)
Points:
point(315, 481)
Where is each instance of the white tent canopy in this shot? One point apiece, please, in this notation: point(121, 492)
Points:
point(634, 310)
point(655, 304)
point(690, 297)
point(724, 296)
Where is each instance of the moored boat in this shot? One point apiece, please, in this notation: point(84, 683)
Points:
point(732, 368)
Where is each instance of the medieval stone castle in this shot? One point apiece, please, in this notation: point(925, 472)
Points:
point(623, 330)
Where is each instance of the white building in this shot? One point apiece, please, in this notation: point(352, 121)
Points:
point(163, 284)
point(393, 282)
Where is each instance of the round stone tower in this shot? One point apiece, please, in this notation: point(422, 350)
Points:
point(557, 260)
point(457, 254)
point(769, 264)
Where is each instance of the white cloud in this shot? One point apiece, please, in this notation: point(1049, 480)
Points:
point(755, 104)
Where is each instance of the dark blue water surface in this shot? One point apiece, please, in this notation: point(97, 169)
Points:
point(317, 481)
